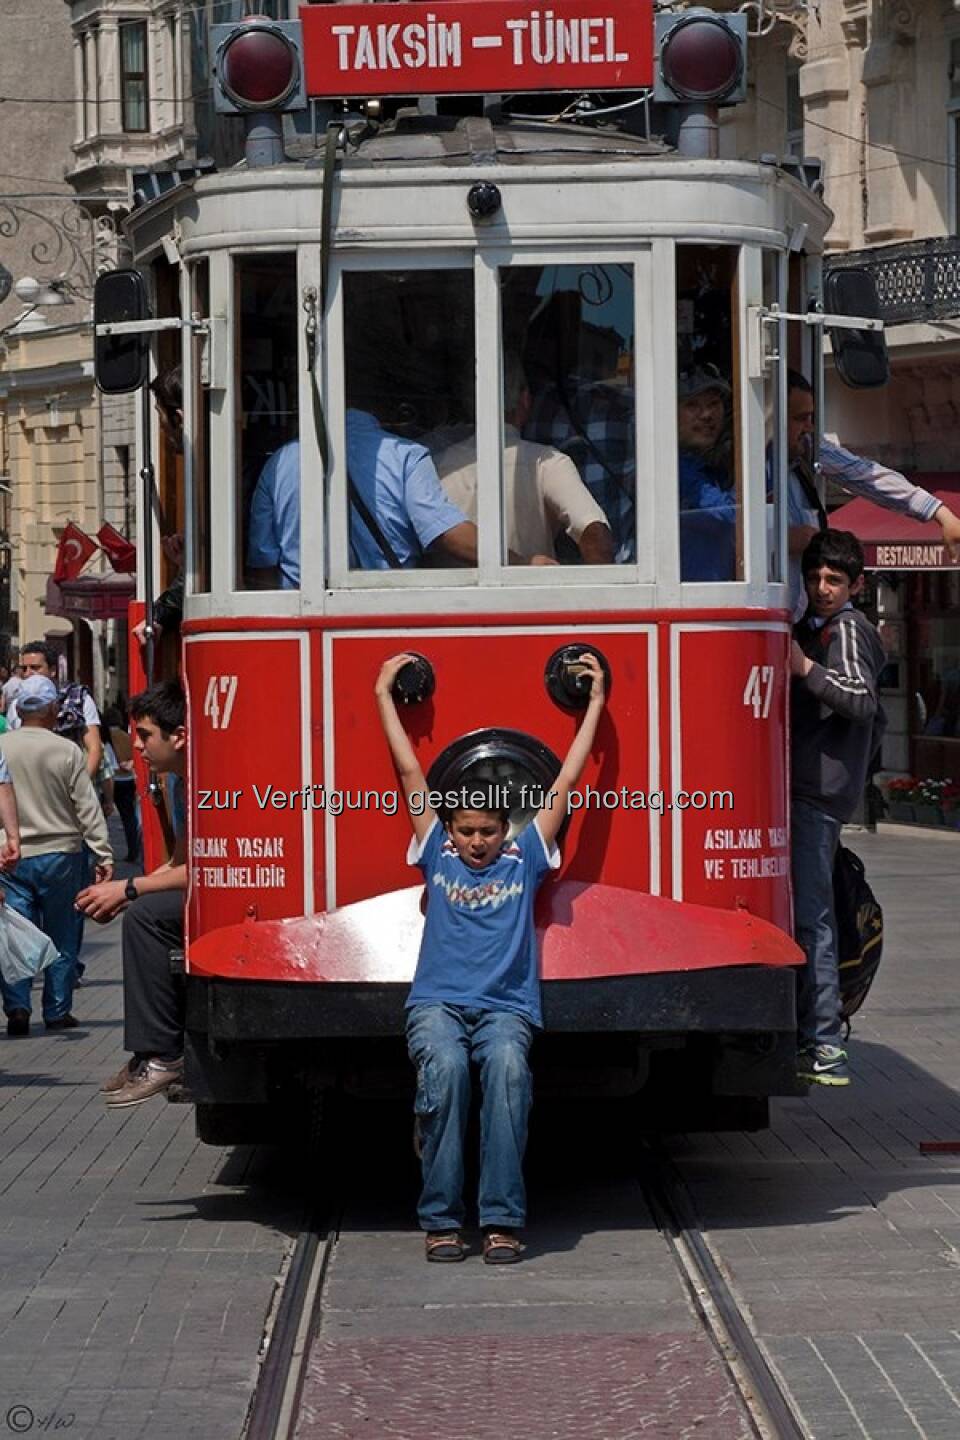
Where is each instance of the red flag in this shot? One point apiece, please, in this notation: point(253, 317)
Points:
point(118, 550)
point(73, 552)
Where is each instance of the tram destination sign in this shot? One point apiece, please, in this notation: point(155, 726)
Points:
point(471, 47)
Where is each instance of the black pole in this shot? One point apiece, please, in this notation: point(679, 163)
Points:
point(147, 493)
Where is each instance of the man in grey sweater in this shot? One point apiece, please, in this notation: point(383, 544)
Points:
point(835, 722)
point(59, 814)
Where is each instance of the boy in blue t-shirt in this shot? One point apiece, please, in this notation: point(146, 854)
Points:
point(476, 992)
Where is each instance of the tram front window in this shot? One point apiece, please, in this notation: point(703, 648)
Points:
point(708, 439)
point(268, 451)
point(410, 395)
point(569, 457)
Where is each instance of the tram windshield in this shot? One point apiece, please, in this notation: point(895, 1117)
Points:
point(708, 429)
point(410, 394)
point(570, 467)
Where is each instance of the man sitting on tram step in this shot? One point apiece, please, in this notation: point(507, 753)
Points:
point(805, 509)
point(407, 513)
point(153, 996)
point(476, 992)
point(836, 723)
point(708, 509)
point(543, 492)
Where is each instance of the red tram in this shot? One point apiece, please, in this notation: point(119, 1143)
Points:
point(430, 259)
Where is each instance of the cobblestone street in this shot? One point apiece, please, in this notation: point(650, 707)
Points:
point(140, 1266)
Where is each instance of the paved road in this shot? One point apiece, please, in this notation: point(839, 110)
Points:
point(139, 1266)
point(843, 1238)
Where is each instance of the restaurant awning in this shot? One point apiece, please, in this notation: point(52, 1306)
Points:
point(91, 597)
point(896, 542)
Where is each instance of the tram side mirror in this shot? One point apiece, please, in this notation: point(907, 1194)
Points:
point(860, 355)
point(121, 362)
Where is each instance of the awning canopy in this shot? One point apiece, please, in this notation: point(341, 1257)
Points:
point(91, 597)
point(896, 542)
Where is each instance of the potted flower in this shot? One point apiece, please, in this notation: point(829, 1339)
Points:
point(927, 802)
point(900, 795)
point(950, 803)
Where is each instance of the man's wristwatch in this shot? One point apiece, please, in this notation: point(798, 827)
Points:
point(131, 891)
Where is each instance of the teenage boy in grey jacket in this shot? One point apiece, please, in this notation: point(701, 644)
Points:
point(835, 716)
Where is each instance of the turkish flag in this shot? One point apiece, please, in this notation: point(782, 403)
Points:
point(73, 552)
point(118, 550)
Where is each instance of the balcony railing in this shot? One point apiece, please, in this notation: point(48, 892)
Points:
point(919, 280)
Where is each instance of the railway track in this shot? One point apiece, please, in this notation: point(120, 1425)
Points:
point(658, 1188)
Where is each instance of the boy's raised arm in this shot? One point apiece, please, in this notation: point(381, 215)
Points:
point(408, 766)
point(554, 812)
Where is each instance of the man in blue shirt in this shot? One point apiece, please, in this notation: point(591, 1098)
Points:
point(887, 488)
point(397, 484)
point(476, 991)
point(708, 508)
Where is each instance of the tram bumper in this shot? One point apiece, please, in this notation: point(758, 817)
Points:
point(613, 960)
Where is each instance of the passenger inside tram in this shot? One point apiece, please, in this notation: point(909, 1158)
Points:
point(708, 511)
point(575, 327)
point(399, 513)
point(708, 450)
point(544, 496)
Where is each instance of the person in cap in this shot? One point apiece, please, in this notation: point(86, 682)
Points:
point(59, 814)
point(708, 509)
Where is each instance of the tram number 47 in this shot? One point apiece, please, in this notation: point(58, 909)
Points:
point(219, 700)
point(758, 691)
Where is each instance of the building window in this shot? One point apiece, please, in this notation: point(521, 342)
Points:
point(133, 75)
point(794, 108)
point(953, 136)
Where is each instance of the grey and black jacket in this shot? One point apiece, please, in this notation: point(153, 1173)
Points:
point(835, 714)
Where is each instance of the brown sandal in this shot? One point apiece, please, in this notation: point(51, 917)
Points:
point(501, 1248)
point(444, 1247)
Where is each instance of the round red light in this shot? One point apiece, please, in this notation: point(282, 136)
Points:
point(701, 59)
point(259, 67)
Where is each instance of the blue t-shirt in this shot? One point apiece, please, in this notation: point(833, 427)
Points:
point(708, 522)
point(479, 946)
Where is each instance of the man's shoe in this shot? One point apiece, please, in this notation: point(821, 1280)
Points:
point(122, 1077)
point(823, 1065)
point(65, 1022)
point(18, 1023)
point(152, 1078)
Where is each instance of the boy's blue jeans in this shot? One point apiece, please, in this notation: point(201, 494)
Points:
point(442, 1041)
point(814, 839)
point(44, 888)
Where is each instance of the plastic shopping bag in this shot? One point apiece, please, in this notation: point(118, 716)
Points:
point(24, 950)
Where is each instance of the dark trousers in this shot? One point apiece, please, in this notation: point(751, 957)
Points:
point(153, 998)
point(125, 799)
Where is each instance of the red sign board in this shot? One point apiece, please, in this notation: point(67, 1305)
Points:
point(477, 47)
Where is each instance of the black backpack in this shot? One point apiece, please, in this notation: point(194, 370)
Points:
point(859, 931)
point(70, 718)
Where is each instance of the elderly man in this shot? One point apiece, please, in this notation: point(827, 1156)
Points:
point(806, 514)
point(543, 493)
point(59, 814)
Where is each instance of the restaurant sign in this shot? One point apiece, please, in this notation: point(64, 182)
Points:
point(925, 555)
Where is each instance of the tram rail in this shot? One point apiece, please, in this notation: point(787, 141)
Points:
point(296, 1320)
